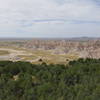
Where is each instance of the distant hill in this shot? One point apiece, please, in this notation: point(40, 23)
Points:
point(83, 46)
point(85, 38)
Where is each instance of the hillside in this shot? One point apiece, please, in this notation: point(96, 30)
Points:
point(56, 51)
point(80, 80)
point(83, 47)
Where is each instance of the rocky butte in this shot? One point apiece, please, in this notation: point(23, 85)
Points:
point(84, 47)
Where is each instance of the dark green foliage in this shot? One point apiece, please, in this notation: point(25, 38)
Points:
point(40, 60)
point(80, 80)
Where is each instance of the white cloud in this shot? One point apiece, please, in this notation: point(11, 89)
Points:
point(24, 14)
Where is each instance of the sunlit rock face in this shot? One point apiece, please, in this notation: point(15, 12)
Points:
point(84, 48)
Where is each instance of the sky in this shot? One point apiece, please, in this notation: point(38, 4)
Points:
point(49, 18)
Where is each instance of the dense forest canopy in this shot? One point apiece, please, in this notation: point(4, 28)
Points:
point(79, 80)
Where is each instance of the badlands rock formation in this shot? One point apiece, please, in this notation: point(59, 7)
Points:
point(84, 48)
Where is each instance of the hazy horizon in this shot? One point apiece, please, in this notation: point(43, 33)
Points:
point(47, 37)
